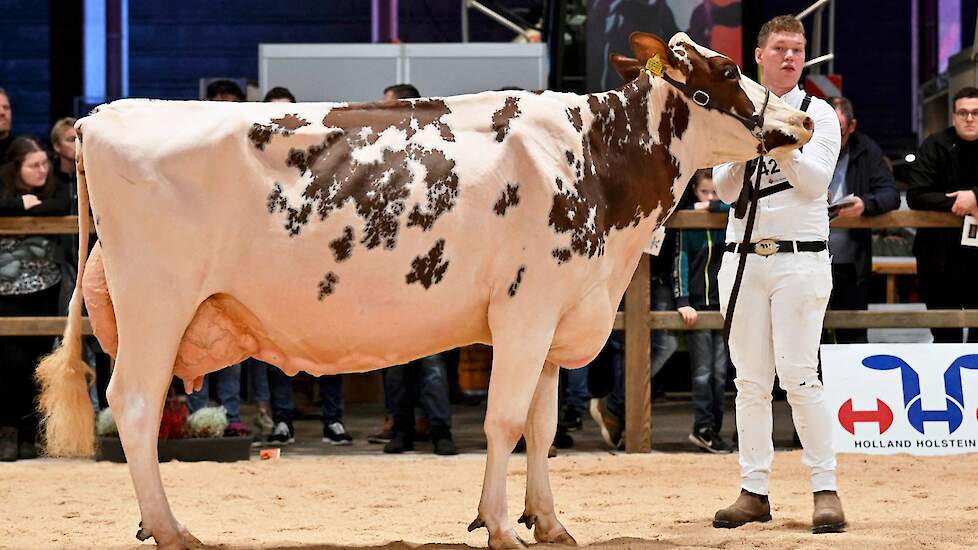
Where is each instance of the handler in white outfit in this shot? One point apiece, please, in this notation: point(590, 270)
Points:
point(777, 322)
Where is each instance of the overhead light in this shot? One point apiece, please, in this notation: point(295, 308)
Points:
point(910, 157)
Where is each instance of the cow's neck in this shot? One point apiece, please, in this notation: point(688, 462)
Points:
point(636, 164)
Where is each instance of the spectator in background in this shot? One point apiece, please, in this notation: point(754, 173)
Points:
point(401, 91)
point(63, 141)
point(279, 94)
point(609, 411)
point(944, 178)
point(698, 256)
point(862, 173)
point(6, 124)
point(423, 381)
point(31, 270)
point(224, 90)
point(228, 379)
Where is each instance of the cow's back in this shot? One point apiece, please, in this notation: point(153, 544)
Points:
point(356, 237)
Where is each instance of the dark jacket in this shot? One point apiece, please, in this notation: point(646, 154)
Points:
point(698, 256)
point(868, 178)
point(939, 170)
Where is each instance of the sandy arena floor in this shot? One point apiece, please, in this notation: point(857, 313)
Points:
point(661, 500)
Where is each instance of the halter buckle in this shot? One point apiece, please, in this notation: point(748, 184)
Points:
point(701, 98)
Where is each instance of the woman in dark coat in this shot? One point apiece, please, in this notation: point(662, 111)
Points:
point(31, 271)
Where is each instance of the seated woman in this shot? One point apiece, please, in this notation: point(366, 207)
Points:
point(31, 271)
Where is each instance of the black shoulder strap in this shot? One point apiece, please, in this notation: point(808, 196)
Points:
point(806, 102)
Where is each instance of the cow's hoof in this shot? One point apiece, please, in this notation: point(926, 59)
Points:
point(507, 540)
point(556, 534)
point(561, 536)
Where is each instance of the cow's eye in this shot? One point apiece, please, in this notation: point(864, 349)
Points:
point(730, 73)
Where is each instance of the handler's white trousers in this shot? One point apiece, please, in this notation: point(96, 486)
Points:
point(777, 327)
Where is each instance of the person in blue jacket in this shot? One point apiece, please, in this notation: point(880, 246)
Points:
point(698, 256)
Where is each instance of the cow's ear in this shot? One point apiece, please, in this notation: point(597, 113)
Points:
point(645, 46)
point(626, 67)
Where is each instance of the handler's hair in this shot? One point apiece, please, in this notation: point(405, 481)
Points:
point(781, 23)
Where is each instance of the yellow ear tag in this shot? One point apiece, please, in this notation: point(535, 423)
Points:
point(654, 65)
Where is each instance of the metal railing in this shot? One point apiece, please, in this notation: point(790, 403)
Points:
point(818, 11)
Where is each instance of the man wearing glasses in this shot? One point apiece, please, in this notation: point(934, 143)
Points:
point(945, 179)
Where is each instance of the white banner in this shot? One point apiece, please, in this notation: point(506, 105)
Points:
point(919, 399)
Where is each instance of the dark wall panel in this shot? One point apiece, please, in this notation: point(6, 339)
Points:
point(172, 45)
point(25, 64)
point(873, 54)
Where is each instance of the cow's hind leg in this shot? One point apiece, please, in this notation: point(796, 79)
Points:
point(148, 339)
point(518, 355)
point(541, 425)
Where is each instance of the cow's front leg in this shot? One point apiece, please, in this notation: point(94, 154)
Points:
point(516, 364)
point(136, 392)
point(541, 425)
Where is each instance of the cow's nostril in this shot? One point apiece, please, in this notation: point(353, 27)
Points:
point(808, 124)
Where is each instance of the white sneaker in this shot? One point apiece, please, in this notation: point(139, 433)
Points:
point(282, 434)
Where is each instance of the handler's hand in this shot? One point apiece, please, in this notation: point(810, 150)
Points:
point(965, 203)
point(689, 315)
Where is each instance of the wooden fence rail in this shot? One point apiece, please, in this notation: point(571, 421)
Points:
point(636, 321)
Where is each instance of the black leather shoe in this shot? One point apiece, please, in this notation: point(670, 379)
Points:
point(8, 444)
point(26, 450)
point(400, 442)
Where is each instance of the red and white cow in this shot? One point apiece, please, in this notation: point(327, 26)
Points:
point(334, 238)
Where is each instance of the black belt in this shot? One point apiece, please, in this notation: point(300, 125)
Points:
point(767, 247)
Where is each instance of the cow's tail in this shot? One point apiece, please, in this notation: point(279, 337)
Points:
point(66, 416)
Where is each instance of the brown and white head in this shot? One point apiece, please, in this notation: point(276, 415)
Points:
point(733, 117)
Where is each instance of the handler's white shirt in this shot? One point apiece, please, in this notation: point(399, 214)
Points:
point(800, 213)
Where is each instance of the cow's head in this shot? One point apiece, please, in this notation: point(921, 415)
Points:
point(700, 74)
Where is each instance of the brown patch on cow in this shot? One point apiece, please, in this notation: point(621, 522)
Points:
point(510, 197)
point(505, 115)
point(519, 279)
point(343, 246)
point(442, 183)
point(561, 255)
point(626, 173)
point(674, 119)
point(261, 134)
point(378, 190)
point(328, 285)
point(290, 123)
point(429, 269)
point(574, 116)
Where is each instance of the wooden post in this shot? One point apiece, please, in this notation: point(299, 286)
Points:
point(638, 362)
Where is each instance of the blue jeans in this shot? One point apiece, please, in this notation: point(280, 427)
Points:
point(664, 344)
point(708, 364)
point(272, 385)
point(228, 392)
point(577, 389)
point(331, 392)
point(423, 380)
